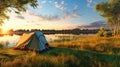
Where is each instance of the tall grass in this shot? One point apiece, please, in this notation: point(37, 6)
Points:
point(35, 60)
point(4, 44)
point(110, 45)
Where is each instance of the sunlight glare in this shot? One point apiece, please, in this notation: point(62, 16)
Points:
point(4, 31)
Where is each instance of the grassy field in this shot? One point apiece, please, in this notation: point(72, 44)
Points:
point(88, 51)
point(107, 45)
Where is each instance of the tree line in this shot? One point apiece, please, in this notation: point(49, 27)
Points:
point(69, 31)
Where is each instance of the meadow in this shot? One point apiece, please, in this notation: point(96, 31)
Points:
point(75, 51)
point(93, 43)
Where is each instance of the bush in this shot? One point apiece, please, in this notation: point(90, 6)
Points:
point(103, 33)
point(107, 33)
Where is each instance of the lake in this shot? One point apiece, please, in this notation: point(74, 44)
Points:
point(12, 40)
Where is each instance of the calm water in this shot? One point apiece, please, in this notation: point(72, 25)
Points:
point(12, 40)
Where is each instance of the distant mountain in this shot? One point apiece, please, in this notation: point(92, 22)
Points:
point(94, 25)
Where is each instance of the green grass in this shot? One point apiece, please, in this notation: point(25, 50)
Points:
point(84, 54)
point(58, 57)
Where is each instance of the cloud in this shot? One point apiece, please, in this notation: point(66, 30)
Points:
point(66, 14)
point(76, 7)
point(31, 16)
point(62, 2)
point(72, 13)
point(89, 1)
point(38, 24)
point(59, 5)
point(75, 15)
point(39, 6)
point(20, 17)
point(63, 17)
point(94, 25)
point(28, 16)
point(43, 1)
point(89, 5)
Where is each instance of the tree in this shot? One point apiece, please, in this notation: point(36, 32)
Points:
point(110, 10)
point(15, 5)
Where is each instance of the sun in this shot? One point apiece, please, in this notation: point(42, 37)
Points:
point(4, 31)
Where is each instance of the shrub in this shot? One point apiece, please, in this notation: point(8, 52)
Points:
point(107, 33)
point(103, 33)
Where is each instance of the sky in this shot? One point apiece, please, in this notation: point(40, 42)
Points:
point(55, 14)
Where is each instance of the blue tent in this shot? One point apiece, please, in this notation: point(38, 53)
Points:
point(32, 41)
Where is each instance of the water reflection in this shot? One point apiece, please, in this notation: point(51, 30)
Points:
point(12, 40)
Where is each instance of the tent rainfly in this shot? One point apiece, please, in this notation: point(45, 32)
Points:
point(32, 41)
